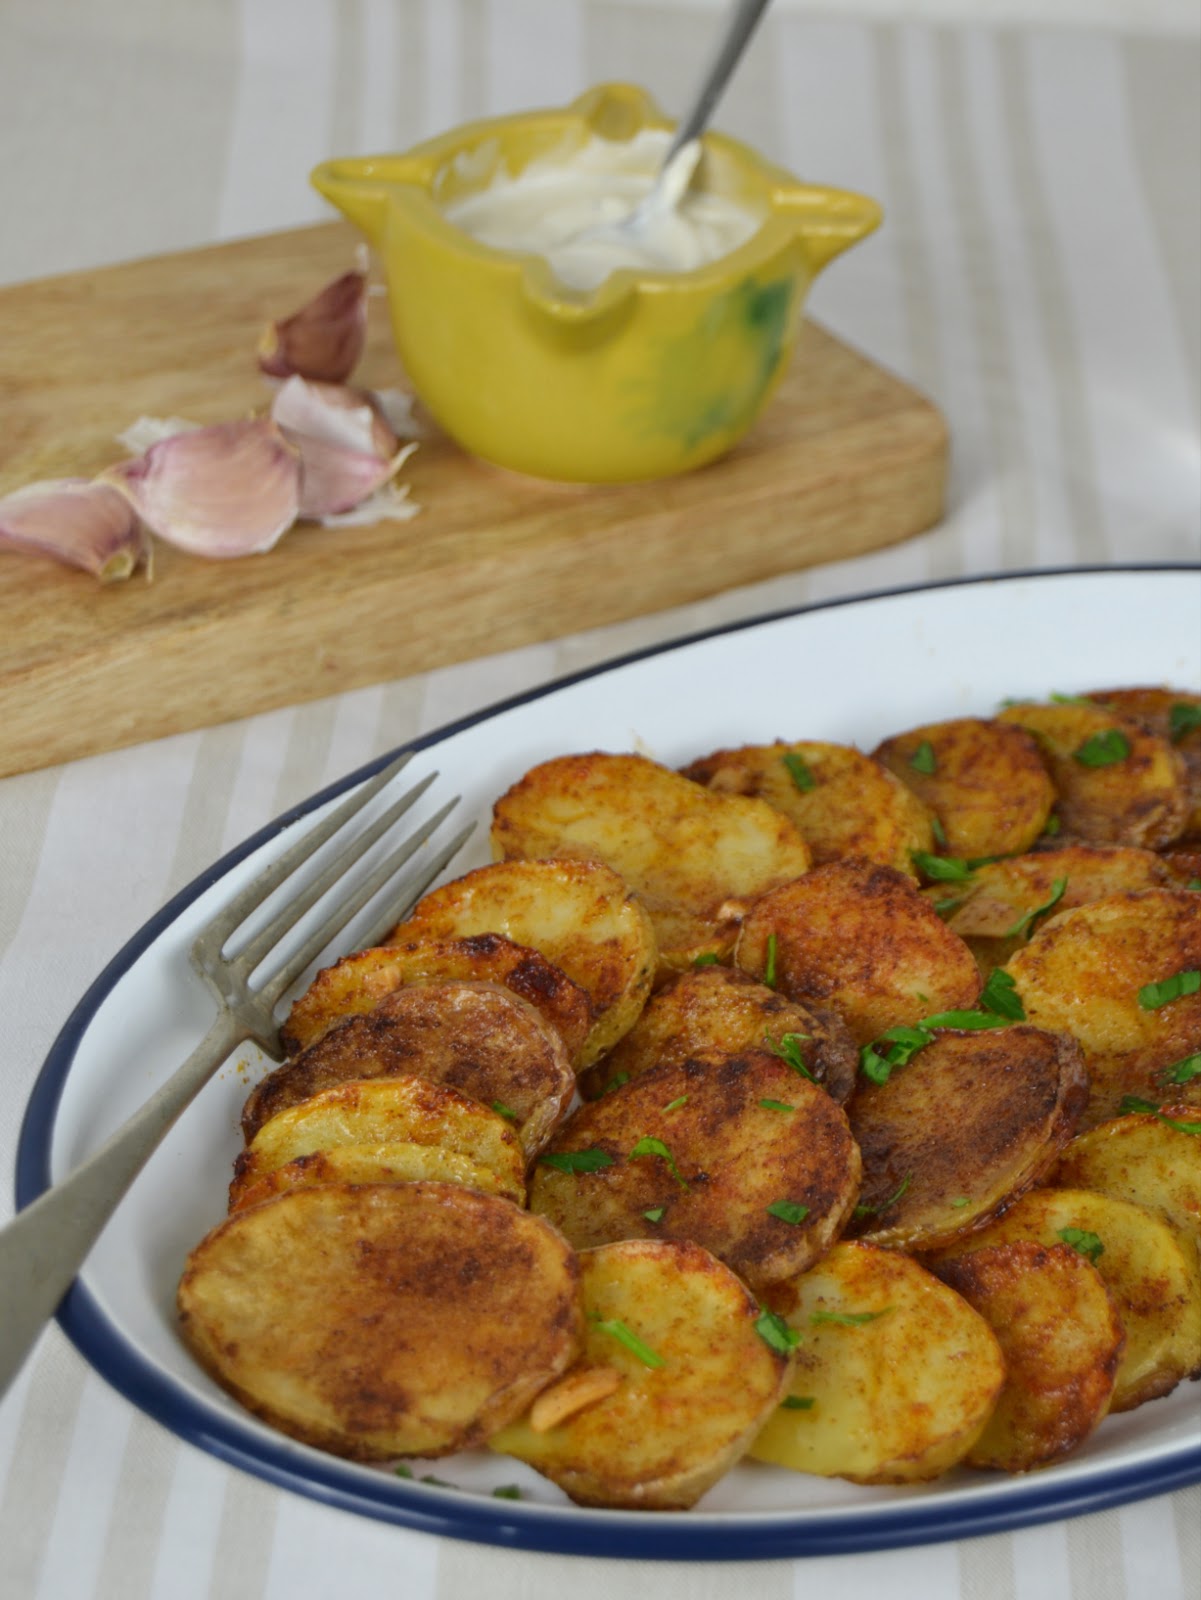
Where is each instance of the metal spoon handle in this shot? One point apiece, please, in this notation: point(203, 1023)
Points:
point(743, 19)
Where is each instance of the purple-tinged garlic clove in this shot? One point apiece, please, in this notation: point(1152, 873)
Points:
point(230, 489)
point(336, 415)
point(325, 338)
point(335, 480)
point(76, 521)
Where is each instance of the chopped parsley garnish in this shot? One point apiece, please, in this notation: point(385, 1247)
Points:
point(943, 869)
point(402, 1471)
point(1031, 920)
point(1000, 995)
point(789, 1211)
point(504, 1110)
point(577, 1160)
point(1103, 749)
point(1152, 996)
point(674, 1105)
point(707, 959)
point(1132, 1103)
point(923, 758)
point(999, 1004)
point(1193, 883)
point(939, 832)
point(1183, 1071)
point(1082, 1242)
point(865, 1210)
point(655, 1214)
point(946, 908)
point(769, 966)
point(776, 1333)
point(1071, 700)
point(615, 1082)
point(618, 1330)
point(901, 1042)
point(656, 1147)
point(1183, 718)
point(798, 771)
point(789, 1051)
point(797, 1402)
point(507, 1491)
point(963, 1019)
point(776, 1105)
point(847, 1319)
point(1053, 826)
point(959, 1201)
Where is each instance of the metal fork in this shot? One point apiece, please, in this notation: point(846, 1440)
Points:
point(43, 1248)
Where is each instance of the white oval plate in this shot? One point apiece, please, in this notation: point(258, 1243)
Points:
point(850, 671)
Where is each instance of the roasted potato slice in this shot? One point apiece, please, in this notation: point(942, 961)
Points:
point(1144, 1159)
point(1061, 1337)
point(373, 1163)
point(579, 914)
point(971, 1121)
point(985, 781)
point(671, 1427)
point(400, 1111)
point(1097, 973)
point(718, 1008)
point(383, 1320)
point(842, 802)
point(895, 1374)
point(1171, 714)
point(475, 1037)
point(359, 982)
point(1146, 1269)
point(1114, 782)
point(861, 939)
point(1001, 906)
point(696, 859)
point(738, 1153)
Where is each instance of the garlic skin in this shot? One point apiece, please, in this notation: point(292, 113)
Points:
point(347, 449)
point(325, 338)
point(78, 522)
point(230, 489)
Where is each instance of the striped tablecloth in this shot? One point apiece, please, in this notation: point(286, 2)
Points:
point(1039, 275)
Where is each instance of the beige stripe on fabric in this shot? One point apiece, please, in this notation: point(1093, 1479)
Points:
point(24, 807)
point(986, 1568)
point(242, 1558)
point(1186, 1512)
point(39, 1461)
point(465, 1570)
point(1095, 1558)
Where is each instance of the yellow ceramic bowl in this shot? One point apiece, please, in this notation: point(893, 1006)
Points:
point(651, 374)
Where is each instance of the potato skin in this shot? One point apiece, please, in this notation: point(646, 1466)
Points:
point(736, 1157)
point(859, 938)
point(379, 1320)
point(989, 788)
point(855, 807)
point(723, 1009)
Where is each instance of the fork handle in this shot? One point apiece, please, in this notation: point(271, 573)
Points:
point(43, 1248)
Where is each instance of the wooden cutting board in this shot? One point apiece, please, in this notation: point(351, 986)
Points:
point(846, 459)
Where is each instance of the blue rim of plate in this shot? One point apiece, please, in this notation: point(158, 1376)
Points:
point(478, 1518)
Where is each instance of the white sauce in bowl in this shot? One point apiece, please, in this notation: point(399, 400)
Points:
point(576, 211)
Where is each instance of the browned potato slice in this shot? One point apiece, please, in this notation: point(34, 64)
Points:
point(1061, 1337)
point(359, 982)
point(842, 802)
point(1113, 781)
point(730, 1158)
point(695, 859)
point(971, 1121)
point(1154, 1284)
point(985, 781)
point(1084, 971)
point(895, 1374)
point(859, 938)
point(579, 914)
point(1170, 714)
point(401, 1111)
point(476, 1037)
point(717, 1008)
point(383, 1320)
point(373, 1163)
point(666, 1433)
point(1144, 1159)
point(997, 910)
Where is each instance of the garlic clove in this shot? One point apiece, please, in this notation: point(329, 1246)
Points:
point(392, 503)
point(230, 489)
point(335, 480)
point(76, 521)
point(325, 338)
point(334, 414)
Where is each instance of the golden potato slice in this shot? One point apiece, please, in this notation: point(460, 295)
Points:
point(971, 1121)
point(475, 1037)
point(359, 982)
point(842, 802)
point(1154, 1284)
point(1142, 1158)
point(667, 1431)
point(383, 1320)
point(696, 859)
point(738, 1153)
point(579, 914)
point(895, 1374)
point(861, 939)
point(1003, 904)
point(372, 1163)
point(1061, 1337)
point(1098, 973)
point(718, 1008)
point(1113, 781)
point(400, 1111)
point(984, 780)
point(1171, 714)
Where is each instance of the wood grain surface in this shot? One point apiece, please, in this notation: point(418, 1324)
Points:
point(846, 459)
